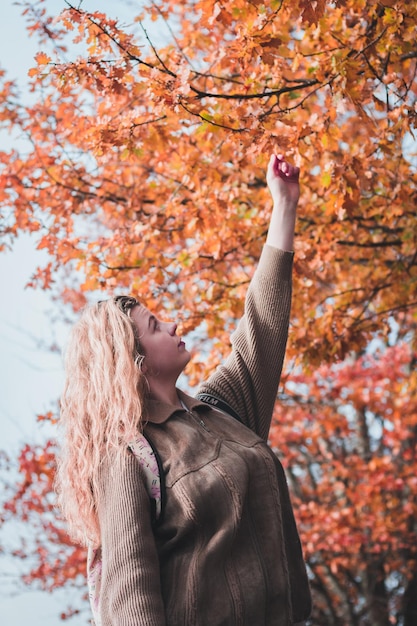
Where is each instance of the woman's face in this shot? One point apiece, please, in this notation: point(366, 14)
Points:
point(165, 353)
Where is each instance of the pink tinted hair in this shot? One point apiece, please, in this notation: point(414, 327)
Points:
point(101, 409)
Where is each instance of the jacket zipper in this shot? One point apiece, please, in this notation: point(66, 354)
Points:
point(198, 420)
point(195, 417)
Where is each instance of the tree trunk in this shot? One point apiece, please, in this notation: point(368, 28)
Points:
point(377, 596)
point(410, 602)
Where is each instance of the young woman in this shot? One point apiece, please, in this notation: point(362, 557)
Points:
point(225, 551)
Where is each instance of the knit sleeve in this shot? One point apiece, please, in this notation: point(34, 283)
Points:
point(248, 380)
point(130, 587)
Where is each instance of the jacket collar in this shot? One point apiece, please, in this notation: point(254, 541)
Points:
point(158, 412)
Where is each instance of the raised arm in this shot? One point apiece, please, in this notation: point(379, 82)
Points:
point(248, 380)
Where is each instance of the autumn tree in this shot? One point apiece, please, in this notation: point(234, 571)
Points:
point(144, 173)
point(348, 436)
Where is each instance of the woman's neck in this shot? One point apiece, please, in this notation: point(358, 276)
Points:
point(164, 393)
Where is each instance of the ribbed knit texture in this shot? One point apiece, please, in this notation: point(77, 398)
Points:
point(249, 379)
point(130, 559)
point(227, 551)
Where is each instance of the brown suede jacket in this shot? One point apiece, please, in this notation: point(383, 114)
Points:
point(227, 551)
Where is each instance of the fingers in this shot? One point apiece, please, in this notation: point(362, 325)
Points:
point(278, 167)
point(283, 169)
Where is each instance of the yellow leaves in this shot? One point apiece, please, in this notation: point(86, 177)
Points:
point(326, 179)
point(392, 17)
point(185, 259)
point(216, 121)
point(131, 153)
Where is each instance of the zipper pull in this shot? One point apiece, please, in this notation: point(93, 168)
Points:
point(198, 419)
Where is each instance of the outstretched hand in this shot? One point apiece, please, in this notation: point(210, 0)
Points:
point(283, 181)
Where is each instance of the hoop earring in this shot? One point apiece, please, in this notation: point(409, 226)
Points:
point(139, 359)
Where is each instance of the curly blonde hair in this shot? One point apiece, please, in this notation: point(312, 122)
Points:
point(102, 407)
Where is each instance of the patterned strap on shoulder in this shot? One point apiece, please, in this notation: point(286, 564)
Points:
point(143, 451)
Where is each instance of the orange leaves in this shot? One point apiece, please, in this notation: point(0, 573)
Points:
point(144, 171)
point(54, 560)
point(347, 436)
point(41, 59)
point(49, 416)
point(151, 144)
point(36, 467)
point(312, 10)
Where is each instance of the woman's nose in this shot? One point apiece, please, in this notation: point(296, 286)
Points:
point(172, 328)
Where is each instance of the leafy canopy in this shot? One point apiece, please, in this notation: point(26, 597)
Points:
point(146, 163)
